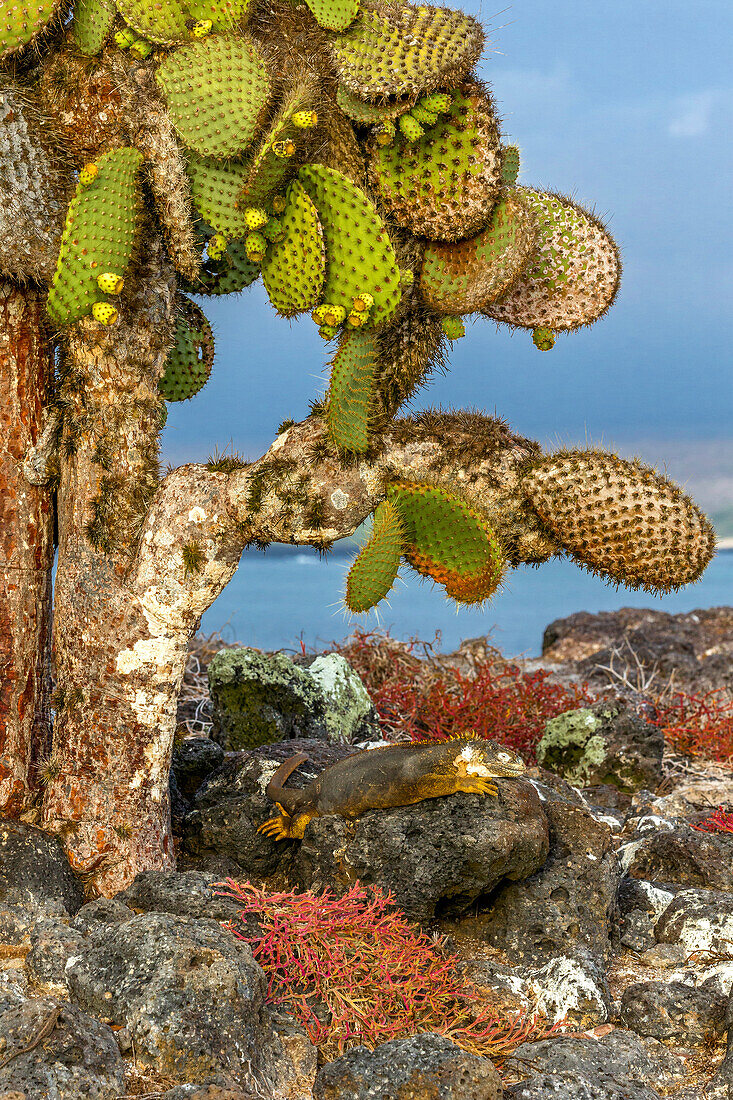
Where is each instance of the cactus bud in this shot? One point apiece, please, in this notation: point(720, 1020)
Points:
point(453, 327)
point(217, 246)
point(333, 315)
point(283, 148)
point(363, 302)
point(142, 48)
point(427, 118)
point(543, 338)
point(328, 331)
point(255, 246)
point(274, 231)
point(125, 38)
point(438, 103)
point(88, 174)
point(385, 132)
point(407, 276)
point(201, 28)
point(358, 317)
point(303, 120)
point(255, 218)
point(319, 314)
point(279, 203)
point(410, 127)
point(110, 283)
point(105, 313)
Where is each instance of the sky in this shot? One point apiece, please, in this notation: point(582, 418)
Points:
point(627, 108)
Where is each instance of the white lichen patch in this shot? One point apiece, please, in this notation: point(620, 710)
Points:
point(339, 499)
point(627, 852)
point(653, 823)
point(657, 899)
point(269, 767)
point(563, 986)
point(196, 515)
point(159, 651)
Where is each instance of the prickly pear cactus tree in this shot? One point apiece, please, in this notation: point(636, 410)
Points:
point(346, 153)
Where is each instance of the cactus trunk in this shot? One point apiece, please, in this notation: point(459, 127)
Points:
point(26, 548)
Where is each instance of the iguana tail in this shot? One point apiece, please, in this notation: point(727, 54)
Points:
point(290, 800)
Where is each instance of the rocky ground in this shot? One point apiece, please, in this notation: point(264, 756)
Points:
point(582, 891)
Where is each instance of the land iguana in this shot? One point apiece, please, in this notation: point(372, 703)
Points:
point(385, 777)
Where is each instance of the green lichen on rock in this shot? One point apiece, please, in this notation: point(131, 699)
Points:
point(608, 743)
point(258, 699)
point(571, 747)
point(261, 698)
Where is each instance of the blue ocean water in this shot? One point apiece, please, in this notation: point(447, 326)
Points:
point(280, 597)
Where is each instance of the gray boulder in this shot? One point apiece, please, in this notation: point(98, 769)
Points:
point(260, 698)
point(190, 994)
point(673, 1010)
point(609, 743)
point(416, 1068)
point(36, 881)
point(77, 1057)
point(52, 945)
point(683, 856)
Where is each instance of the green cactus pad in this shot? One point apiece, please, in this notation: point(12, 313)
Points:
point(293, 269)
point(465, 276)
point(217, 91)
point(369, 114)
point(92, 23)
point(225, 15)
point(374, 569)
point(574, 274)
point(351, 394)
point(163, 21)
point(188, 367)
point(98, 235)
point(446, 539)
point(510, 164)
point(407, 49)
point(215, 186)
point(22, 20)
point(334, 15)
point(232, 273)
point(621, 519)
point(444, 185)
point(269, 170)
point(359, 254)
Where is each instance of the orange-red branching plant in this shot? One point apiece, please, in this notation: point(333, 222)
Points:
point(428, 700)
point(698, 725)
point(718, 822)
point(354, 970)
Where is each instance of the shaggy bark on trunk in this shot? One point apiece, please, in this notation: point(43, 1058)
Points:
point(26, 547)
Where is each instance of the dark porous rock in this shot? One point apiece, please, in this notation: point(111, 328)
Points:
point(608, 743)
point(724, 1077)
point(180, 806)
point(185, 893)
point(619, 1057)
point(194, 759)
point(638, 893)
point(36, 881)
point(636, 930)
point(695, 648)
point(506, 989)
point(101, 911)
point(422, 1067)
point(673, 1010)
point(437, 856)
point(698, 920)
point(664, 956)
point(570, 1086)
point(566, 907)
point(684, 856)
point(78, 1058)
point(209, 1091)
point(52, 945)
point(189, 992)
point(232, 803)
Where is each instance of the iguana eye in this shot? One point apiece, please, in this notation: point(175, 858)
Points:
point(503, 756)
